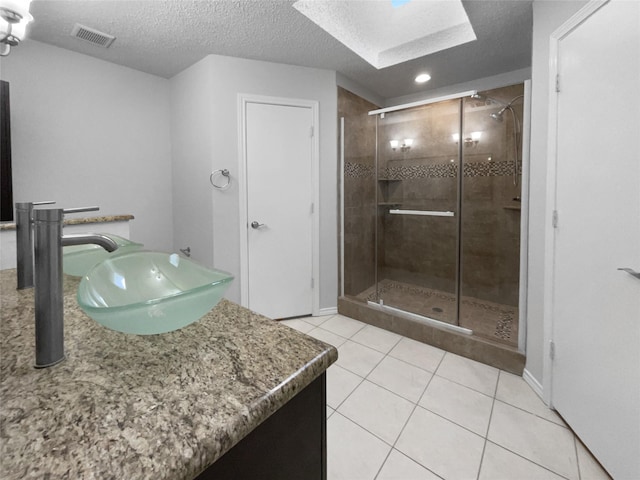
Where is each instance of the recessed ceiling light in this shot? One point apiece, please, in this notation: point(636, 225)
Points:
point(423, 77)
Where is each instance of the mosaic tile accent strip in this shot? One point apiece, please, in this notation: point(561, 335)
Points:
point(438, 170)
point(358, 170)
point(447, 170)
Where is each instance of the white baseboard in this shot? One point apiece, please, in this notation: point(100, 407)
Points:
point(533, 383)
point(327, 311)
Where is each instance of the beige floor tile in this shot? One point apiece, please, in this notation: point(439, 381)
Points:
point(376, 338)
point(340, 383)
point(317, 321)
point(464, 406)
point(541, 441)
point(589, 467)
point(358, 358)
point(418, 354)
point(400, 377)
point(400, 467)
point(352, 452)
point(513, 390)
point(377, 410)
point(501, 464)
point(326, 336)
point(443, 447)
point(298, 324)
point(343, 326)
point(469, 373)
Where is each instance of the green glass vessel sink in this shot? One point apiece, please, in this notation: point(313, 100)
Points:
point(77, 260)
point(150, 292)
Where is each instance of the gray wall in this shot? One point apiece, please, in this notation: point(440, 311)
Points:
point(547, 17)
point(88, 132)
point(212, 86)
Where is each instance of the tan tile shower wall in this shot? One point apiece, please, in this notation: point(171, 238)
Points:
point(359, 200)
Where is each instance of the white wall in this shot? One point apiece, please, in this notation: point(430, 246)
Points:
point(193, 150)
point(215, 82)
point(547, 17)
point(88, 132)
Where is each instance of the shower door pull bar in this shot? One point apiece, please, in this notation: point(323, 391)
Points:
point(631, 272)
point(430, 213)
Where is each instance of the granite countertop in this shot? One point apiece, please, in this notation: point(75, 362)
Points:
point(125, 406)
point(78, 221)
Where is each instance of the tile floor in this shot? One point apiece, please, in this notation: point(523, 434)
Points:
point(400, 409)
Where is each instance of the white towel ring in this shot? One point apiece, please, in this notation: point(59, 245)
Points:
point(225, 173)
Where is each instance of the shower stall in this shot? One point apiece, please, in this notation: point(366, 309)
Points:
point(432, 211)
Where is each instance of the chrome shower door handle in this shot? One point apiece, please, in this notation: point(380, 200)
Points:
point(631, 272)
point(256, 225)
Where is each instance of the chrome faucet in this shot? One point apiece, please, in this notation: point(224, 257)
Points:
point(24, 242)
point(48, 279)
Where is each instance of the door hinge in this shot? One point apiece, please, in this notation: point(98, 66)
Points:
point(558, 82)
point(554, 219)
point(552, 350)
point(311, 131)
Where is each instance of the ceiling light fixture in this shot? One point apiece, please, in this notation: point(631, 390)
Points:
point(423, 78)
point(14, 17)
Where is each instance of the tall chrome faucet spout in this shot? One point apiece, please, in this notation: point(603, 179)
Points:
point(48, 280)
point(90, 238)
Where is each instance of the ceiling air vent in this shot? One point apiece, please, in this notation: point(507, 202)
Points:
point(92, 35)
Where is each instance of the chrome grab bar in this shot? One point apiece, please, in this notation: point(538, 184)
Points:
point(430, 213)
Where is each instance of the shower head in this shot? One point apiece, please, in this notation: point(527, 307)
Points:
point(497, 116)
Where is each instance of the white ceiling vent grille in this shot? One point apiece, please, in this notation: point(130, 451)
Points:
point(92, 35)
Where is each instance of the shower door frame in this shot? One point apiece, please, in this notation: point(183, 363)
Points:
point(524, 218)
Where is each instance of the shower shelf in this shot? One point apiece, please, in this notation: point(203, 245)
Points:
point(390, 179)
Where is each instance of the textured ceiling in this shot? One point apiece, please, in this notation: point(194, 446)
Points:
point(164, 37)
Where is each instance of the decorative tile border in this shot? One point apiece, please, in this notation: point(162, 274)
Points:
point(439, 170)
point(358, 170)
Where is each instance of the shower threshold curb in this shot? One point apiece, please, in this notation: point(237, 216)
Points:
point(493, 354)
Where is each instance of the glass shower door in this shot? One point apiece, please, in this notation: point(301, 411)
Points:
point(417, 198)
point(490, 223)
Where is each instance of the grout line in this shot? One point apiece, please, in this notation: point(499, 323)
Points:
point(527, 459)
point(575, 447)
point(533, 414)
point(486, 435)
point(466, 386)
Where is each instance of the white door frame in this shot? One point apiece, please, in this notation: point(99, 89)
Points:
point(243, 100)
point(552, 150)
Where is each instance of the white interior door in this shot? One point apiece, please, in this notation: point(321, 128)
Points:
point(596, 306)
point(280, 194)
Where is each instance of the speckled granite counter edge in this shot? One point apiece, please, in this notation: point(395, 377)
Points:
point(79, 221)
point(262, 409)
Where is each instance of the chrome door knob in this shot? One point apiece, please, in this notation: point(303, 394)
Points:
point(255, 224)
